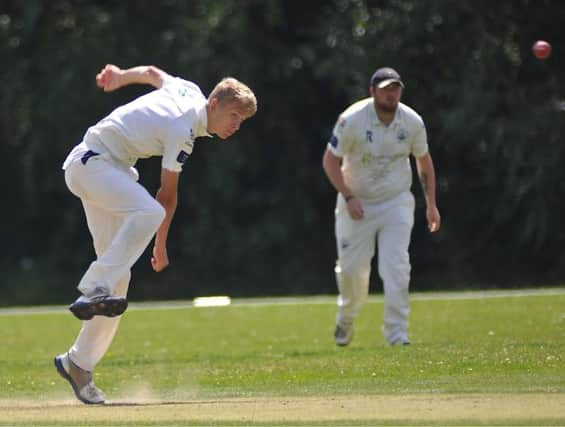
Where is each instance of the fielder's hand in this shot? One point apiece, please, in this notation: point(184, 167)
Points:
point(355, 208)
point(434, 219)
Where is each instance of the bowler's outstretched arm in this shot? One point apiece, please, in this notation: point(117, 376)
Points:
point(112, 77)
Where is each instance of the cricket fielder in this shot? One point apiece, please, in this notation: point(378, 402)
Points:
point(367, 162)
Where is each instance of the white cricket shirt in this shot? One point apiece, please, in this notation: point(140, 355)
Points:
point(164, 122)
point(375, 157)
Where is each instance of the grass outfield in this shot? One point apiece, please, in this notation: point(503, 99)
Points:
point(475, 360)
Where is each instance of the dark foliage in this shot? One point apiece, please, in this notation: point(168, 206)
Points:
point(256, 213)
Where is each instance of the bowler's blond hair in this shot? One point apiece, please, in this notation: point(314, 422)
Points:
point(230, 89)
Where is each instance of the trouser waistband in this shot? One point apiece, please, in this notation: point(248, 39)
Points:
point(87, 156)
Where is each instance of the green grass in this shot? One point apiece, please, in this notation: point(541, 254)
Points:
point(459, 346)
point(513, 344)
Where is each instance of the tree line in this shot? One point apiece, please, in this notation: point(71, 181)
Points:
point(256, 213)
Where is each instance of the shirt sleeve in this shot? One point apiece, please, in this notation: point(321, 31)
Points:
point(168, 80)
point(178, 146)
point(172, 80)
point(175, 156)
point(339, 143)
point(420, 141)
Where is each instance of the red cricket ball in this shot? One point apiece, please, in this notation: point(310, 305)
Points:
point(541, 49)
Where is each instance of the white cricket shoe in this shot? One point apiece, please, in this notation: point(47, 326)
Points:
point(343, 334)
point(79, 379)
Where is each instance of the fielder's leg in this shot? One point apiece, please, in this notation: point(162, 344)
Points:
point(355, 246)
point(394, 267)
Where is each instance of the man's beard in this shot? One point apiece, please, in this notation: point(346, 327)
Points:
point(387, 107)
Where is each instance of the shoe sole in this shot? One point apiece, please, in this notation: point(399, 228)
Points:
point(61, 370)
point(109, 307)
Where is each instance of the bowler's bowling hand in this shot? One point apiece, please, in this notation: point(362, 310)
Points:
point(160, 259)
point(108, 78)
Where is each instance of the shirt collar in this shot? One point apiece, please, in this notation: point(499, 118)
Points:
point(375, 118)
point(200, 129)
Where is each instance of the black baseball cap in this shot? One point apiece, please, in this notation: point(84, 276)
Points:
point(385, 76)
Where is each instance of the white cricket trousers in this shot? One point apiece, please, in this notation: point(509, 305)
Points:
point(122, 218)
point(389, 224)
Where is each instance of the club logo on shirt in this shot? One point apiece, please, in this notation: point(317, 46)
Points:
point(401, 135)
point(181, 158)
point(183, 91)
